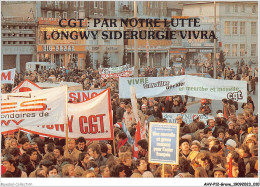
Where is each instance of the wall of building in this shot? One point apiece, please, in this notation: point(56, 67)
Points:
point(239, 13)
point(231, 12)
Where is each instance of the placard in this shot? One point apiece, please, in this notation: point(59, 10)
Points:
point(163, 143)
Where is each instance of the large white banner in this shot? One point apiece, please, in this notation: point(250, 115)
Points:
point(187, 117)
point(184, 85)
point(82, 96)
point(7, 76)
point(121, 71)
point(33, 108)
point(91, 119)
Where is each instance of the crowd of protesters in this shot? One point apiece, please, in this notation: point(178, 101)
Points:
point(225, 146)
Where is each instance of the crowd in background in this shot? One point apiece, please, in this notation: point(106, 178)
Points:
point(225, 146)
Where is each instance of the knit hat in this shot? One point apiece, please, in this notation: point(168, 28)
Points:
point(193, 155)
point(183, 140)
point(144, 106)
point(251, 137)
point(203, 101)
point(231, 143)
point(220, 115)
point(196, 142)
point(230, 122)
point(219, 169)
point(195, 117)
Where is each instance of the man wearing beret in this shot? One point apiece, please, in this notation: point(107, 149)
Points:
point(184, 148)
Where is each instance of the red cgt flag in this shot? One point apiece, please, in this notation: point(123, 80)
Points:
point(137, 138)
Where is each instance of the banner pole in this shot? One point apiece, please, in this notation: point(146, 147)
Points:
point(18, 137)
point(114, 145)
point(66, 120)
point(163, 171)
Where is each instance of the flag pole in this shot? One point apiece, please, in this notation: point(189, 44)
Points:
point(114, 145)
point(18, 137)
point(162, 170)
point(66, 120)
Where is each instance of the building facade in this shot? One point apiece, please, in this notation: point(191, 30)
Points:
point(61, 51)
point(236, 27)
point(18, 30)
point(98, 47)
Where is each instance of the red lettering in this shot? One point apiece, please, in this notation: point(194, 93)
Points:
point(79, 98)
point(93, 94)
point(9, 107)
point(23, 104)
point(72, 96)
point(59, 127)
point(17, 122)
point(85, 97)
point(6, 76)
point(50, 126)
point(82, 120)
point(92, 119)
point(100, 116)
point(6, 123)
point(70, 123)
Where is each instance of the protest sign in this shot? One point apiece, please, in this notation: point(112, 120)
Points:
point(121, 71)
point(163, 143)
point(82, 96)
point(7, 76)
point(33, 108)
point(91, 119)
point(26, 86)
point(187, 117)
point(184, 85)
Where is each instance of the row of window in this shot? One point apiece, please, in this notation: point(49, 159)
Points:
point(77, 14)
point(240, 8)
point(57, 3)
point(17, 35)
point(16, 27)
point(236, 27)
point(242, 48)
point(17, 42)
point(98, 4)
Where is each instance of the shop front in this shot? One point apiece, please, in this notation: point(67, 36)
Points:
point(201, 55)
point(69, 56)
point(114, 53)
point(177, 56)
point(61, 51)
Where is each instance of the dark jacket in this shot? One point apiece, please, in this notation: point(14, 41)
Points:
point(17, 173)
point(120, 113)
point(128, 171)
point(101, 161)
point(168, 106)
point(158, 114)
point(204, 109)
point(178, 108)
